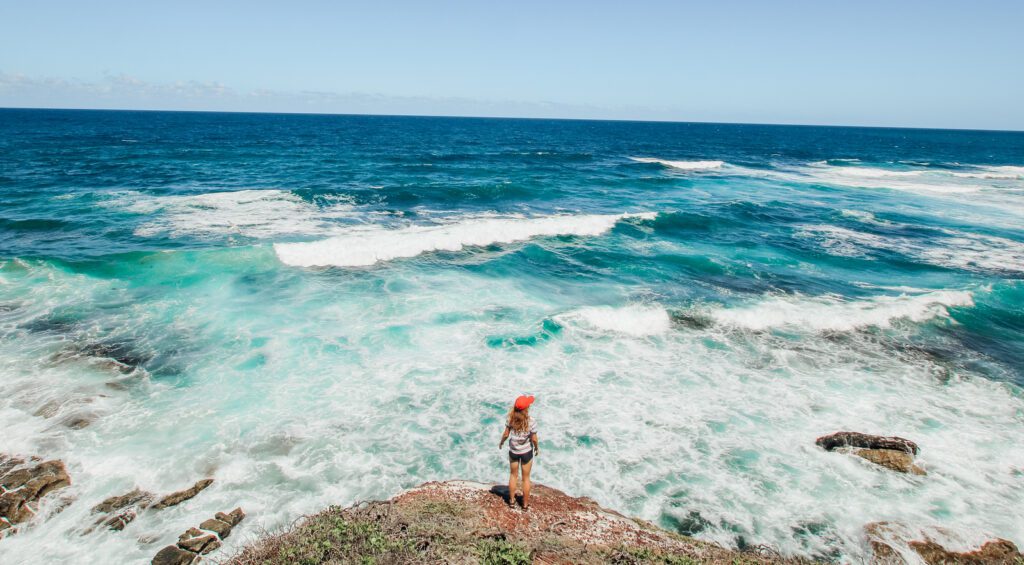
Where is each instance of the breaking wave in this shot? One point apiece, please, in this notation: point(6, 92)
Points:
point(248, 213)
point(360, 247)
point(833, 313)
point(635, 320)
point(682, 165)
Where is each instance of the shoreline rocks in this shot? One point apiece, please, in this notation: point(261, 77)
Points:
point(23, 484)
point(199, 541)
point(119, 511)
point(893, 543)
point(470, 522)
point(893, 453)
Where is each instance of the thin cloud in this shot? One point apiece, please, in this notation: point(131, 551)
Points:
point(126, 91)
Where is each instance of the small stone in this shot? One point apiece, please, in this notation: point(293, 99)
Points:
point(117, 523)
point(176, 498)
point(173, 555)
point(222, 529)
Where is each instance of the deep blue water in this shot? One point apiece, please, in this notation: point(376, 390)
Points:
point(331, 308)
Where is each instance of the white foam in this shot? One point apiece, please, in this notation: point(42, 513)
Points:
point(359, 374)
point(953, 249)
point(1003, 172)
point(249, 213)
point(833, 313)
point(369, 245)
point(635, 320)
point(928, 181)
point(682, 165)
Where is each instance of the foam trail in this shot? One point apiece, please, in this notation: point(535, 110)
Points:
point(633, 320)
point(683, 165)
point(831, 313)
point(368, 246)
point(918, 180)
point(1003, 172)
point(249, 213)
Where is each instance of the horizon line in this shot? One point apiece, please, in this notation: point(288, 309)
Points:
point(449, 116)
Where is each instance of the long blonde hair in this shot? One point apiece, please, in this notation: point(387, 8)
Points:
point(519, 420)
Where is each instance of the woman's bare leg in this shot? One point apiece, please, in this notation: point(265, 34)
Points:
point(526, 483)
point(513, 471)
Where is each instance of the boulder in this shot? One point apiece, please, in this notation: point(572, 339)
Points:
point(222, 529)
point(23, 484)
point(198, 542)
point(233, 517)
point(119, 511)
point(137, 497)
point(894, 453)
point(174, 555)
point(865, 441)
point(176, 498)
point(891, 459)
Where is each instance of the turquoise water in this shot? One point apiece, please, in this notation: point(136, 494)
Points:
point(318, 310)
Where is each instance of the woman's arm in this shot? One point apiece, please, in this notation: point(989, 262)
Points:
point(534, 441)
point(504, 436)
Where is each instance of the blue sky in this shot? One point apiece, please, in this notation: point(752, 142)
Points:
point(894, 63)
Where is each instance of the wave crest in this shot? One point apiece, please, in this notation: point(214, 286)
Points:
point(682, 165)
point(832, 313)
point(635, 320)
point(361, 247)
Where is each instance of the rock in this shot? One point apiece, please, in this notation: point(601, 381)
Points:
point(176, 498)
point(201, 543)
point(21, 486)
point(893, 543)
point(190, 533)
point(233, 518)
point(894, 453)
point(891, 459)
point(118, 522)
point(119, 511)
point(998, 551)
point(222, 529)
point(174, 555)
point(455, 521)
point(865, 441)
point(137, 497)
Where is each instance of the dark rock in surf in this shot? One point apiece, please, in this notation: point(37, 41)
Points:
point(233, 517)
point(866, 441)
point(198, 541)
point(176, 498)
point(119, 511)
point(893, 453)
point(174, 555)
point(137, 497)
point(900, 461)
point(222, 529)
point(23, 484)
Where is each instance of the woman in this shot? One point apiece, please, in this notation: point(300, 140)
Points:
point(521, 431)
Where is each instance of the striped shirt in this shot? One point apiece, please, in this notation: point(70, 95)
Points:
point(519, 442)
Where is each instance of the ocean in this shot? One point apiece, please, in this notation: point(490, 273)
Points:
point(318, 310)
